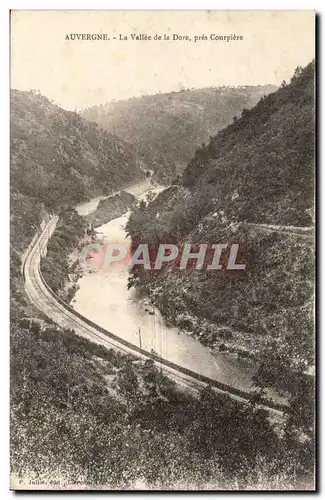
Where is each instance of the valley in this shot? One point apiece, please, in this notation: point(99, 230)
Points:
point(166, 376)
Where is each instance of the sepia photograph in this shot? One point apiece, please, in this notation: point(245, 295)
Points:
point(162, 250)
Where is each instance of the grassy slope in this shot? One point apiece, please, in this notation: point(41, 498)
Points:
point(110, 208)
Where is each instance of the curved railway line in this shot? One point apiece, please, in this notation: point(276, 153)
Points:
point(66, 317)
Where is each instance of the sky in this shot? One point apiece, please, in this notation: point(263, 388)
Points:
point(80, 73)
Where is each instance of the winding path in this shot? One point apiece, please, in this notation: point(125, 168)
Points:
point(303, 232)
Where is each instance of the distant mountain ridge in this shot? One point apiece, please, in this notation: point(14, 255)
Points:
point(165, 129)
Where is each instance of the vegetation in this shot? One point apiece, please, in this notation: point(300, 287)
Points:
point(110, 208)
point(262, 165)
point(25, 217)
point(59, 270)
point(258, 170)
point(58, 157)
point(81, 414)
point(165, 128)
point(220, 198)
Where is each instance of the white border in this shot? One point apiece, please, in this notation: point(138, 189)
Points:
point(316, 5)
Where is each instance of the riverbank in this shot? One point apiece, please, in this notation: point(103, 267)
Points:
point(60, 266)
point(136, 190)
point(104, 297)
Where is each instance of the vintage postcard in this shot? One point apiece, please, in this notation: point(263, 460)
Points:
point(162, 250)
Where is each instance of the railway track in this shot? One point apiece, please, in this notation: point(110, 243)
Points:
point(66, 317)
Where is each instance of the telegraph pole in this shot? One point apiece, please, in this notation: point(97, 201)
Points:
point(140, 341)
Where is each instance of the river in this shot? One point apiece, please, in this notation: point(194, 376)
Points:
point(103, 297)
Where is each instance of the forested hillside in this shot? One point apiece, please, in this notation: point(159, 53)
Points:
point(88, 416)
point(58, 157)
point(165, 129)
point(258, 170)
point(262, 165)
